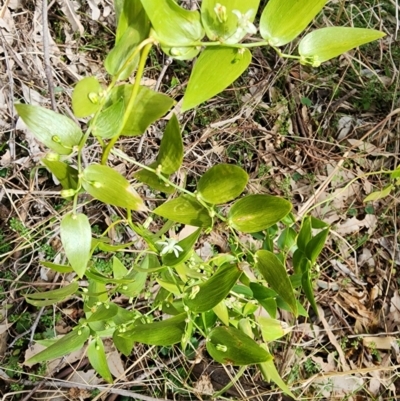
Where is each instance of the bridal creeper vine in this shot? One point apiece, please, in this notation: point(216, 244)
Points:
point(232, 300)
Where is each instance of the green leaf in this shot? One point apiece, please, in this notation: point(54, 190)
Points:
point(257, 212)
point(104, 312)
point(221, 310)
point(56, 131)
point(287, 239)
point(222, 24)
point(76, 237)
point(272, 329)
point(269, 372)
point(72, 341)
point(98, 360)
point(56, 267)
point(395, 173)
point(119, 269)
point(326, 43)
point(67, 175)
point(229, 345)
point(51, 297)
point(203, 297)
point(305, 234)
point(109, 186)
point(124, 345)
point(222, 183)
point(173, 25)
point(187, 245)
point(149, 106)
point(153, 180)
point(132, 14)
point(374, 196)
point(109, 121)
point(207, 81)
point(186, 210)
point(170, 155)
point(276, 276)
point(86, 97)
point(308, 289)
point(164, 333)
point(315, 245)
point(282, 21)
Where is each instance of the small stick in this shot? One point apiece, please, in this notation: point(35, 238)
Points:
point(47, 64)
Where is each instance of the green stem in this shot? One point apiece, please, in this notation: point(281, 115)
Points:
point(146, 45)
point(215, 44)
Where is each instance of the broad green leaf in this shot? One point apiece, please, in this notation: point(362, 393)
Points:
point(109, 186)
point(318, 224)
point(72, 341)
point(123, 344)
point(104, 312)
point(186, 210)
point(257, 212)
point(229, 345)
point(203, 297)
point(98, 360)
point(153, 180)
point(287, 239)
point(272, 329)
point(173, 25)
point(221, 310)
point(86, 97)
point(315, 245)
point(222, 24)
point(56, 131)
point(164, 333)
point(181, 53)
point(76, 237)
point(58, 294)
point(309, 290)
point(326, 43)
point(108, 122)
point(269, 372)
point(374, 196)
point(131, 14)
point(148, 107)
point(207, 81)
point(305, 234)
point(395, 173)
point(282, 21)
point(261, 292)
point(276, 276)
point(170, 155)
point(187, 245)
point(119, 269)
point(67, 175)
point(299, 261)
point(222, 183)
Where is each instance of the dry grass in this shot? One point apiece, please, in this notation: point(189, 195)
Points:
point(315, 136)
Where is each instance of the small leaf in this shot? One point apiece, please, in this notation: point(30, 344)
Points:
point(67, 175)
point(287, 239)
point(153, 180)
point(170, 155)
point(395, 174)
point(187, 245)
point(108, 186)
point(222, 24)
point(104, 312)
point(221, 310)
point(86, 97)
point(276, 276)
point(164, 333)
point(149, 106)
point(108, 122)
point(124, 345)
point(282, 21)
point(58, 294)
point(308, 289)
point(374, 196)
point(305, 234)
point(174, 26)
point(76, 237)
point(185, 210)
point(228, 345)
point(203, 297)
point(222, 183)
point(326, 43)
point(56, 267)
point(272, 329)
point(97, 358)
point(257, 212)
point(315, 245)
point(72, 341)
point(56, 131)
point(207, 81)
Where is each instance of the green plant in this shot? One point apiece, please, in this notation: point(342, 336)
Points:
point(215, 299)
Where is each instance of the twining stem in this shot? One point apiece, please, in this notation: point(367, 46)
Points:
point(146, 45)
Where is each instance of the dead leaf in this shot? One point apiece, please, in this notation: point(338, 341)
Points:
point(204, 385)
point(377, 342)
point(69, 8)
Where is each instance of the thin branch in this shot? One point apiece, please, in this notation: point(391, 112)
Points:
point(46, 52)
